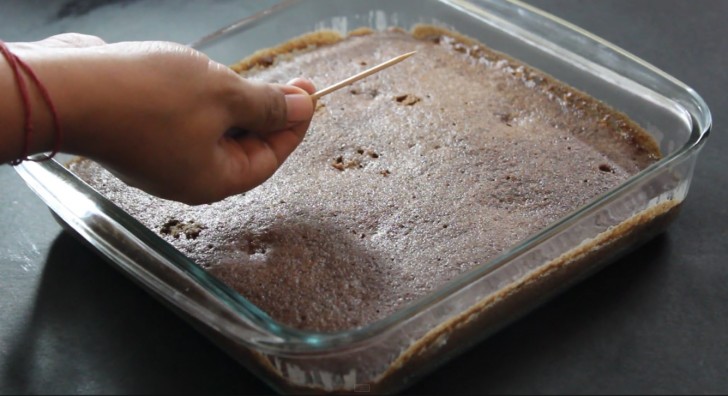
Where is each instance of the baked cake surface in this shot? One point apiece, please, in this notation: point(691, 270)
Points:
point(405, 180)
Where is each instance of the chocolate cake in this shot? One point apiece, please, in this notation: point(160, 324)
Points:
point(404, 181)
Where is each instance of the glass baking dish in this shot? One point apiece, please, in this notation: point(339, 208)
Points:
point(390, 354)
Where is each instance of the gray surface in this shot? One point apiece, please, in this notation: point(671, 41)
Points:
point(653, 322)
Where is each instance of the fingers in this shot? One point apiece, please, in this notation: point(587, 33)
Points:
point(264, 108)
point(299, 110)
point(261, 157)
point(302, 112)
point(304, 84)
point(270, 139)
point(256, 164)
point(260, 107)
point(72, 40)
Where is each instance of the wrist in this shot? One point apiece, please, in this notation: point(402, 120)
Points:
point(27, 109)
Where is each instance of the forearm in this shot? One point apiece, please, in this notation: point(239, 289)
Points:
point(13, 108)
point(74, 79)
point(156, 114)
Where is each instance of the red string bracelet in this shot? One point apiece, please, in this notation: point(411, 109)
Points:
point(16, 64)
point(28, 124)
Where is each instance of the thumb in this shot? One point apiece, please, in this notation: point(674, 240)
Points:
point(264, 108)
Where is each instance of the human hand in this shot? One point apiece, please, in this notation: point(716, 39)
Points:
point(166, 119)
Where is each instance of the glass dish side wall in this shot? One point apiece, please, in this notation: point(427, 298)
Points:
point(390, 360)
point(387, 356)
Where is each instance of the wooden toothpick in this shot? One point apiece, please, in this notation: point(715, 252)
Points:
point(357, 77)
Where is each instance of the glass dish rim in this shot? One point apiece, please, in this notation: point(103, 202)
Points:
point(314, 341)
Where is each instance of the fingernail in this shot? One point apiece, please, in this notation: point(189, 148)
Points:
point(299, 107)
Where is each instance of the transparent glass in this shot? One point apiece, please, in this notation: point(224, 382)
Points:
point(390, 354)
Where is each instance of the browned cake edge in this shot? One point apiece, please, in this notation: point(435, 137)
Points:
point(267, 57)
point(577, 99)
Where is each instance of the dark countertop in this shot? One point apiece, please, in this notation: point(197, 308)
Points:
point(653, 322)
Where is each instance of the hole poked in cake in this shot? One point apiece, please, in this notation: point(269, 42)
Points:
point(319, 106)
point(176, 228)
point(407, 99)
point(368, 152)
point(356, 159)
point(369, 92)
point(606, 168)
point(340, 163)
point(505, 117)
point(256, 246)
point(313, 273)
